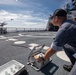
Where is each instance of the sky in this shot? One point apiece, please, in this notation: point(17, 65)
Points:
point(28, 13)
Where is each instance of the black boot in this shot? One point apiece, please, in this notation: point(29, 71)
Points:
point(68, 67)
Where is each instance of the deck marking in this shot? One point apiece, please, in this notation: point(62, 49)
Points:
point(19, 42)
point(20, 35)
point(3, 37)
point(34, 44)
point(36, 36)
point(31, 48)
point(63, 56)
point(11, 39)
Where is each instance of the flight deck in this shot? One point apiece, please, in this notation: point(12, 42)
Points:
point(17, 46)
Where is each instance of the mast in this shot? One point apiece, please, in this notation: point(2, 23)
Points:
point(74, 4)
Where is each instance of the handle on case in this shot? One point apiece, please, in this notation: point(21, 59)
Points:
point(37, 69)
point(31, 53)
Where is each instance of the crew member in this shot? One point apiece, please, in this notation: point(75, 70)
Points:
point(65, 38)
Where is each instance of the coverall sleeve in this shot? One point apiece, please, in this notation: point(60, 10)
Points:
point(60, 39)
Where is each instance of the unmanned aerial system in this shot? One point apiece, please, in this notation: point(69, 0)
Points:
point(34, 54)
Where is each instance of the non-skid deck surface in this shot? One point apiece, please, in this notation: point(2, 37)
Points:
point(17, 46)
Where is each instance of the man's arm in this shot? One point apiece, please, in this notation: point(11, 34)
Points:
point(47, 55)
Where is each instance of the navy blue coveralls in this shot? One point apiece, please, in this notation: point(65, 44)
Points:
point(66, 39)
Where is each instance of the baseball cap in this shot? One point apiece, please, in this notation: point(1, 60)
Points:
point(59, 12)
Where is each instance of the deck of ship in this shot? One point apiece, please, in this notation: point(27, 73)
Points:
point(16, 46)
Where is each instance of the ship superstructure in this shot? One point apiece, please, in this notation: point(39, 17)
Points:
point(71, 14)
point(71, 11)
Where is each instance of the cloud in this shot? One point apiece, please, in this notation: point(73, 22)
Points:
point(11, 2)
point(27, 13)
point(21, 3)
point(2, 12)
point(4, 15)
point(22, 20)
point(7, 2)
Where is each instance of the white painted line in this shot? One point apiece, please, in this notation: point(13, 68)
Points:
point(39, 36)
point(19, 42)
point(31, 48)
point(20, 35)
point(11, 39)
point(33, 44)
point(63, 56)
point(28, 35)
point(36, 36)
point(2, 37)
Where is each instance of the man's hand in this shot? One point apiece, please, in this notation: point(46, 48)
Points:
point(40, 59)
point(47, 55)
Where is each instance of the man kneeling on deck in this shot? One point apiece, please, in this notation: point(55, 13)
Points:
point(65, 38)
